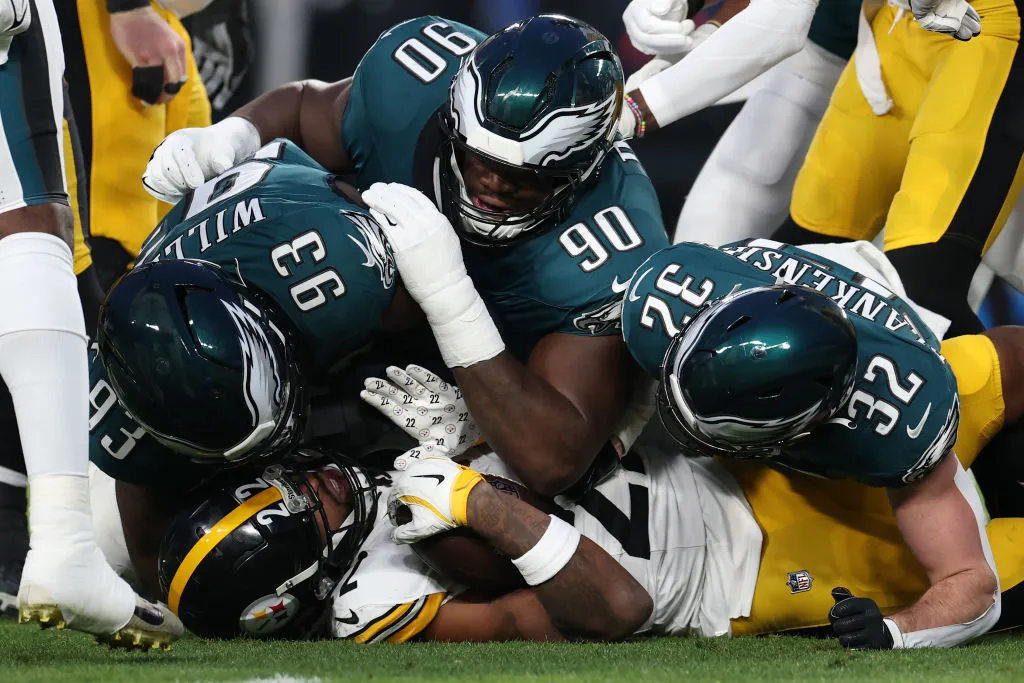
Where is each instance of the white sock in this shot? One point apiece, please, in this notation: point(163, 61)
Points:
point(43, 353)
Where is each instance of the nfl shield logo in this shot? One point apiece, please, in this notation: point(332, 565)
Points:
point(799, 582)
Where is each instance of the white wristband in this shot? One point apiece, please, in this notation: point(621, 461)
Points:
point(551, 553)
point(895, 632)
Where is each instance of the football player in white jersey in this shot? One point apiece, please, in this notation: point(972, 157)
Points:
point(664, 545)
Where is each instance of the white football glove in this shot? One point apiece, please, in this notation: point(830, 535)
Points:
point(428, 254)
point(955, 17)
point(15, 18)
point(657, 27)
point(430, 497)
point(425, 407)
point(189, 157)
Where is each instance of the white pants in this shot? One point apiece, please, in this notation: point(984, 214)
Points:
point(746, 184)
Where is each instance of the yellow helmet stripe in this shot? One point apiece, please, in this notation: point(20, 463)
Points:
point(209, 541)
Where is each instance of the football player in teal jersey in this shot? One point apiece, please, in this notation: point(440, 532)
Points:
point(247, 298)
point(512, 139)
point(768, 351)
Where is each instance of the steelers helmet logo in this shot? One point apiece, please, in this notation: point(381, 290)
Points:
point(421, 411)
point(449, 429)
point(268, 614)
point(424, 433)
point(449, 408)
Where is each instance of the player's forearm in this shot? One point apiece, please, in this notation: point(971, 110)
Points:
point(591, 596)
point(536, 430)
point(754, 40)
point(953, 611)
point(306, 112)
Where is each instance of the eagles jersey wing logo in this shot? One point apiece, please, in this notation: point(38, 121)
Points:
point(601, 319)
point(374, 246)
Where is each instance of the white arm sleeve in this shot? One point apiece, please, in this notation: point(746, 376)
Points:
point(759, 37)
point(955, 634)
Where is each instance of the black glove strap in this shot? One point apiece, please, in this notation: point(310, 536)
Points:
point(114, 6)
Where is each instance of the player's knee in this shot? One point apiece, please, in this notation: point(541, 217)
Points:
point(790, 232)
point(50, 218)
point(938, 276)
point(1008, 341)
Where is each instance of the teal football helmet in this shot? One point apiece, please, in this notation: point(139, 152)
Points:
point(201, 362)
point(757, 370)
point(541, 97)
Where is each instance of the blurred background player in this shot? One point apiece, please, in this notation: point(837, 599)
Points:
point(934, 164)
point(42, 348)
point(745, 186)
point(133, 80)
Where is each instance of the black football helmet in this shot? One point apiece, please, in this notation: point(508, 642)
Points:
point(541, 96)
point(203, 362)
point(251, 558)
point(757, 370)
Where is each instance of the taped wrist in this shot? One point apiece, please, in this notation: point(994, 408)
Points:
point(551, 553)
point(462, 326)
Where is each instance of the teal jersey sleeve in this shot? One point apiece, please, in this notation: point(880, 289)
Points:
point(571, 279)
point(276, 222)
point(903, 413)
point(398, 86)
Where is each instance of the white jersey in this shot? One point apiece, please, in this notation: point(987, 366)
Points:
point(680, 526)
point(391, 595)
point(684, 531)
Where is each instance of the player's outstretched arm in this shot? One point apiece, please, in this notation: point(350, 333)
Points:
point(309, 114)
point(946, 533)
point(754, 40)
point(306, 112)
point(576, 589)
point(948, 537)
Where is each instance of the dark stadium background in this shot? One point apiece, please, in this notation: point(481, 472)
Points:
point(336, 33)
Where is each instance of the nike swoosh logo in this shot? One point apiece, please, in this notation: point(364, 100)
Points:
point(636, 283)
point(438, 477)
point(916, 431)
point(619, 287)
point(352, 618)
point(149, 614)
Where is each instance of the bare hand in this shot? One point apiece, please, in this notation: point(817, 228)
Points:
point(145, 39)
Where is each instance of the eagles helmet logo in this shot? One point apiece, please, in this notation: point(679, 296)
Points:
point(551, 139)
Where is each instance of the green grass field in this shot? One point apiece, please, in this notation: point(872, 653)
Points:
point(26, 654)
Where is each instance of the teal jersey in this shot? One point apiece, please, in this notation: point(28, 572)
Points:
point(903, 413)
point(275, 221)
point(834, 26)
point(568, 279)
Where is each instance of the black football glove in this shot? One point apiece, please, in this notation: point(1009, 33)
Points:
point(858, 622)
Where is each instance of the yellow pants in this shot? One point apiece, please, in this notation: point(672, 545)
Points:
point(945, 160)
point(839, 533)
point(118, 133)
